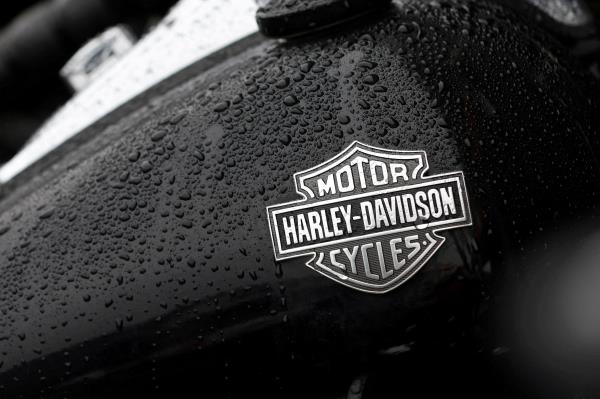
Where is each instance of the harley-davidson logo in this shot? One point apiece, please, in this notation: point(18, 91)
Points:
point(368, 217)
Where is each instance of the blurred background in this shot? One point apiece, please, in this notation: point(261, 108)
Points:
point(85, 58)
point(37, 38)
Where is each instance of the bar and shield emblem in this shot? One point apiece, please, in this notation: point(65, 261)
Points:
point(368, 217)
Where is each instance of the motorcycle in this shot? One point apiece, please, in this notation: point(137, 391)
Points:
point(362, 200)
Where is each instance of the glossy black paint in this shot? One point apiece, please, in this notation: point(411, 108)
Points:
point(145, 266)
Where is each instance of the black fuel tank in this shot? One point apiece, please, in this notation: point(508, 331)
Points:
point(141, 263)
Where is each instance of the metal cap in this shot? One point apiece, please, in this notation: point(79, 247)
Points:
point(285, 18)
